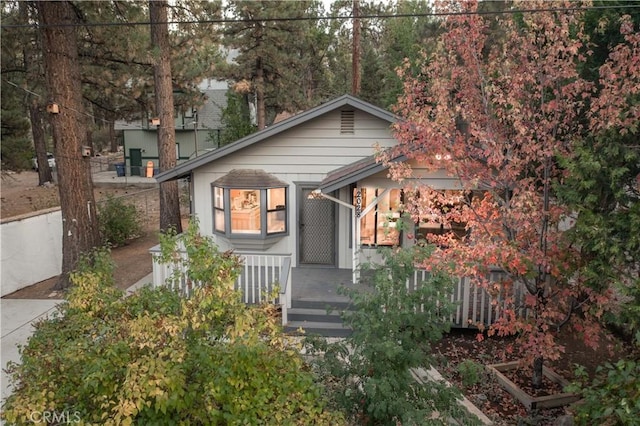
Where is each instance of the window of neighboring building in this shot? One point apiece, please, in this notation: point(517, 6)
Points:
point(250, 203)
point(378, 226)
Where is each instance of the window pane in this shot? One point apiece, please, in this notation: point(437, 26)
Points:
point(219, 220)
point(368, 221)
point(276, 221)
point(245, 211)
point(433, 221)
point(218, 197)
point(277, 213)
point(378, 225)
point(387, 214)
point(276, 199)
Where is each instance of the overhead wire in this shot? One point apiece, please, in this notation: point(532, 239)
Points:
point(306, 18)
point(332, 17)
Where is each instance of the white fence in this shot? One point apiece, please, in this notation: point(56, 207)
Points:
point(474, 305)
point(31, 249)
point(261, 275)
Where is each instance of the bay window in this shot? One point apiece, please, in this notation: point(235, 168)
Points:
point(250, 204)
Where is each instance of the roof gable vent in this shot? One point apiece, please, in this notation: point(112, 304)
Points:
point(347, 122)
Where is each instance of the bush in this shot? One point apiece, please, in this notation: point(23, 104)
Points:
point(158, 358)
point(393, 328)
point(471, 373)
point(612, 398)
point(119, 221)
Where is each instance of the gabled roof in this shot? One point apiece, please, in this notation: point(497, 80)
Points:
point(354, 172)
point(185, 168)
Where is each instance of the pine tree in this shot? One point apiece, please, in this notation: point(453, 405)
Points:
point(169, 195)
point(274, 57)
point(80, 234)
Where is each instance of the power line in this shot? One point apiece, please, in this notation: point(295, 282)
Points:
point(126, 124)
point(329, 18)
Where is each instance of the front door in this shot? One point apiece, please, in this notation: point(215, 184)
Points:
point(135, 158)
point(317, 229)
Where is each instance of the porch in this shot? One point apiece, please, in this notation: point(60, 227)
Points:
point(304, 293)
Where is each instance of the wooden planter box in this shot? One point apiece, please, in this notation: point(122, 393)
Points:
point(548, 401)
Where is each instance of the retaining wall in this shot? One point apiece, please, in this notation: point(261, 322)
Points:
point(31, 249)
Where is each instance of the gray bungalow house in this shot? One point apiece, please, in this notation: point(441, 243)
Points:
point(307, 194)
point(308, 186)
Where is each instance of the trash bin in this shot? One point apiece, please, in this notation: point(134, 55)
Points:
point(120, 169)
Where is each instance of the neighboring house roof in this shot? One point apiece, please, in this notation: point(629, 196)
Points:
point(210, 114)
point(185, 168)
point(354, 172)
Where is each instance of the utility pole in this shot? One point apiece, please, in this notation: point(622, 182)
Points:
point(355, 60)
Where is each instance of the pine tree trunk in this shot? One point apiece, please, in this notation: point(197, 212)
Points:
point(35, 107)
point(536, 379)
point(169, 194)
point(39, 142)
point(113, 140)
point(260, 103)
point(80, 232)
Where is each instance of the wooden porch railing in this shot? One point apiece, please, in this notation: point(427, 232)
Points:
point(259, 278)
point(474, 304)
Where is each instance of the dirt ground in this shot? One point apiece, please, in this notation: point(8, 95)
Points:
point(21, 194)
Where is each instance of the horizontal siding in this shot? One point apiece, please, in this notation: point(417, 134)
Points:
point(317, 146)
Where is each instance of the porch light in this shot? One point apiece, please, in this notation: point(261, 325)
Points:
point(442, 157)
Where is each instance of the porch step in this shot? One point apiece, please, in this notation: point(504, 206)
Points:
point(313, 315)
point(314, 319)
point(326, 329)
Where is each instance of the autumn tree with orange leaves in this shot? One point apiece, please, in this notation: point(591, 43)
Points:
point(497, 110)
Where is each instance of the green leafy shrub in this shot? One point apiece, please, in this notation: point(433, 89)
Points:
point(393, 328)
point(119, 221)
point(471, 373)
point(159, 358)
point(612, 398)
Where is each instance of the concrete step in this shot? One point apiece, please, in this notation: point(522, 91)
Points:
point(310, 304)
point(313, 315)
point(317, 318)
point(311, 328)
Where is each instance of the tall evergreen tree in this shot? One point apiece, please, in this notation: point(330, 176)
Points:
point(273, 56)
point(23, 80)
point(169, 195)
point(236, 118)
point(80, 234)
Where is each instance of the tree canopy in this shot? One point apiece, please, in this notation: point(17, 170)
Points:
point(499, 114)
